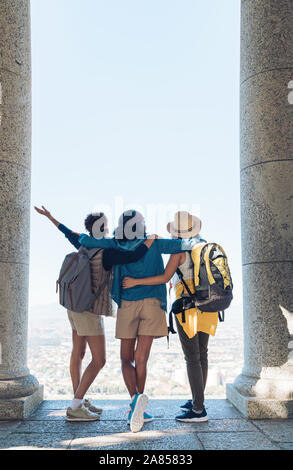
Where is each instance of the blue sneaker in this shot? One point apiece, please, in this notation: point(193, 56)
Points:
point(136, 415)
point(147, 417)
point(188, 405)
point(192, 417)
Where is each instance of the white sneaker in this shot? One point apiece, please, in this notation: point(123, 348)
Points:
point(138, 407)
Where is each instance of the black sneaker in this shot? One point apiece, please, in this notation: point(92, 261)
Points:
point(193, 417)
point(188, 405)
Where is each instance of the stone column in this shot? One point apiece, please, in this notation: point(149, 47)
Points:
point(265, 387)
point(19, 391)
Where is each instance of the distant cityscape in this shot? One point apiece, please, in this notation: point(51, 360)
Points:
point(50, 348)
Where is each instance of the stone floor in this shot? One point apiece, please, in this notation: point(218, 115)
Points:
point(226, 429)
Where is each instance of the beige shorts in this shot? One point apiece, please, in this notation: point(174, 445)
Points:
point(141, 317)
point(86, 323)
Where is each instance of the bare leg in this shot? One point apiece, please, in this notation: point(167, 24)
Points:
point(77, 355)
point(127, 365)
point(98, 350)
point(142, 352)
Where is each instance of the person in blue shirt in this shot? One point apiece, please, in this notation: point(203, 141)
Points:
point(88, 327)
point(141, 314)
point(195, 331)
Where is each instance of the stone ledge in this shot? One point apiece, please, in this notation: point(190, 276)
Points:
point(20, 408)
point(259, 408)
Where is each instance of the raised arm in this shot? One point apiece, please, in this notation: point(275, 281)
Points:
point(71, 236)
point(47, 214)
point(173, 263)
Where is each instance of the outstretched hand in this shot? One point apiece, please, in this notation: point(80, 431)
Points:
point(47, 214)
point(128, 282)
point(43, 211)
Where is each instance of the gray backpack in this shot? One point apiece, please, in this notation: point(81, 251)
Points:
point(75, 281)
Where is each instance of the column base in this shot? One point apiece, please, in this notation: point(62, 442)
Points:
point(259, 408)
point(20, 408)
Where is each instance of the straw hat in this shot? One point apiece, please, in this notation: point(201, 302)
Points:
point(184, 225)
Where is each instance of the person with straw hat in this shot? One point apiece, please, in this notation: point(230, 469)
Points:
point(195, 331)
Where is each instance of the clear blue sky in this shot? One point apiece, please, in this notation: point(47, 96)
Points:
point(133, 101)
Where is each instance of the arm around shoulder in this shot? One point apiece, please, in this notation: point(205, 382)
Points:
point(170, 246)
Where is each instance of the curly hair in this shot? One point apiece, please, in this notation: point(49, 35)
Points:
point(91, 219)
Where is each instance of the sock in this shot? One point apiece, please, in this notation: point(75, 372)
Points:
point(132, 398)
point(197, 411)
point(76, 402)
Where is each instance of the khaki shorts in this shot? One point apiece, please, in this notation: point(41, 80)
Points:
point(86, 323)
point(141, 317)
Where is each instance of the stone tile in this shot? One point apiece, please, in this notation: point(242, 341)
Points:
point(221, 409)
point(235, 441)
point(59, 426)
point(36, 441)
point(216, 408)
point(286, 445)
point(47, 415)
point(213, 425)
point(53, 405)
point(54, 421)
point(277, 430)
point(140, 441)
point(7, 427)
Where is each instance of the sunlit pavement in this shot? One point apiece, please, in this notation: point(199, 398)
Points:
point(226, 429)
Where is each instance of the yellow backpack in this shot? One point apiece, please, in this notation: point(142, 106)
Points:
point(212, 277)
point(212, 283)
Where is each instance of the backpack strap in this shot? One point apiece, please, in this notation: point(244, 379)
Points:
point(221, 317)
point(65, 271)
point(94, 253)
point(171, 324)
point(204, 284)
point(91, 253)
point(180, 275)
point(196, 257)
point(101, 287)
